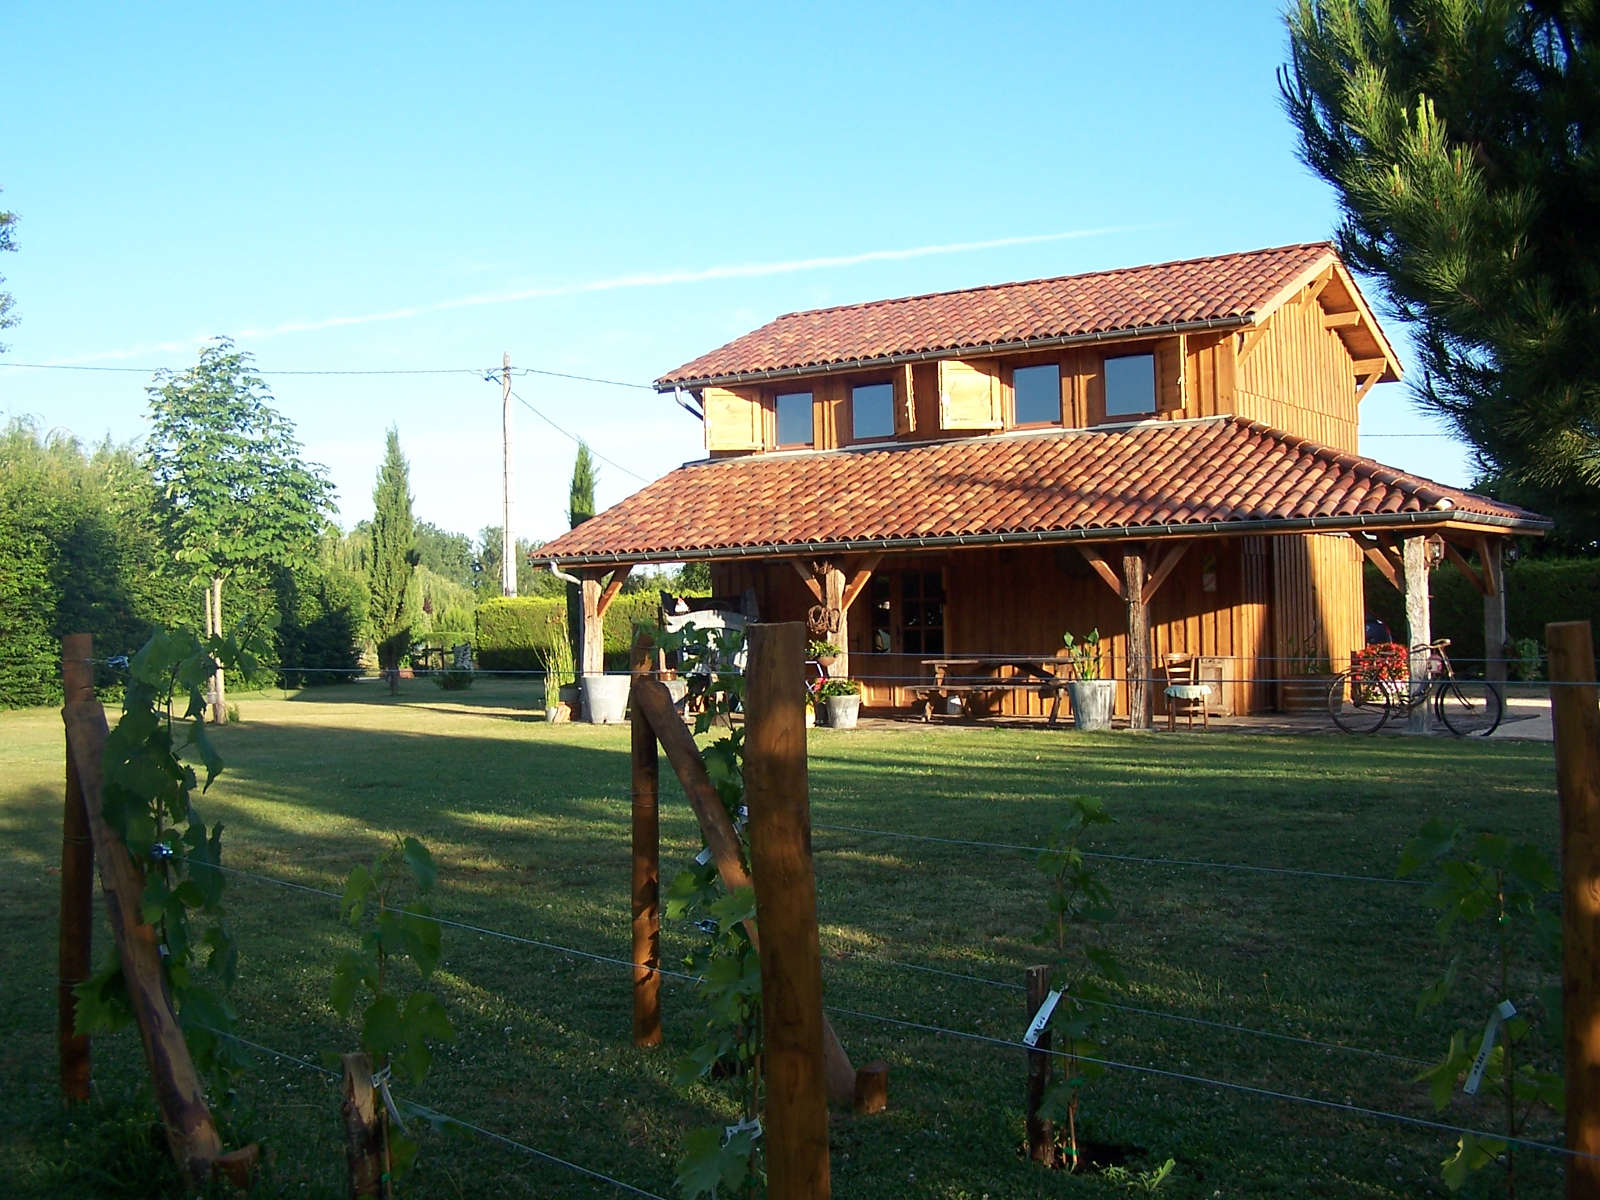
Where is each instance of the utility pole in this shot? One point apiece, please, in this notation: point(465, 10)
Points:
point(508, 539)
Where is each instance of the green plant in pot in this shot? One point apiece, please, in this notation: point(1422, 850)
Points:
point(1307, 675)
point(1092, 693)
point(842, 701)
point(559, 674)
point(822, 652)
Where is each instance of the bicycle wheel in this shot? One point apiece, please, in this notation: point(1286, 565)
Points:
point(1469, 706)
point(1358, 704)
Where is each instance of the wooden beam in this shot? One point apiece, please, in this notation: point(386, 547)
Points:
point(1576, 721)
point(1495, 633)
point(646, 770)
point(1474, 577)
point(1140, 705)
point(1248, 340)
point(1376, 556)
point(1320, 284)
point(1414, 552)
point(833, 589)
point(813, 584)
point(591, 630)
point(1489, 555)
point(76, 932)
point(1370, 366)
point(613, 586)
point(1366, 384)
point(1159, 576)
point(1101, 567)
point(796, 1135)
point(860, 578)
point(1341, 320)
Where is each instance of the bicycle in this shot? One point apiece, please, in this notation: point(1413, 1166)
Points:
point(1363, 699)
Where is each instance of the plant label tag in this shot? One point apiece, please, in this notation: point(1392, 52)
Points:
point(1503, 1011)
point(729, 1132)
point(703, 857)
point(1041, 1018)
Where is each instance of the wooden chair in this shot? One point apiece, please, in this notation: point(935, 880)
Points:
point(1183, 693)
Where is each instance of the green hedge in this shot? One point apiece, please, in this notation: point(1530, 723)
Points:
point(1538, 591)
point(512, 630)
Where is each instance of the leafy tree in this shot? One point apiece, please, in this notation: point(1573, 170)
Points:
point(530, 581)
point(446, 554)
point(234, 493)
point(1461, 137)
point(394, 559)
point(7, 317)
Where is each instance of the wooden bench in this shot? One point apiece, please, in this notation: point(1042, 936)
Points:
point(978, 698)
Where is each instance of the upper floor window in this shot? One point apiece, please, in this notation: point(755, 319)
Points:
point(1130, 385)
point(871, 411)
point(794, 418)
point(1036, 395)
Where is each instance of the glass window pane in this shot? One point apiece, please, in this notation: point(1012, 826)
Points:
point(1130, 385)
point(872, 411)
point(1037, 394)
point(794, 419)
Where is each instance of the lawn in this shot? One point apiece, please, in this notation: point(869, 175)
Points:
point(529, 825)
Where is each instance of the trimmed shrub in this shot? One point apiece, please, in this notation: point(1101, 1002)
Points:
point(512, 630)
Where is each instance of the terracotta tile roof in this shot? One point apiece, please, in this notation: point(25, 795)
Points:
point(1206, 474)
point(1224, 289)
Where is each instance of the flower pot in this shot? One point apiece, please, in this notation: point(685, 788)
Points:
point(558, 713)
point(811, 715)
point(1092, 700)
point(1302, 694)
point(827, 660)
point(843, 711)
point(605, 698)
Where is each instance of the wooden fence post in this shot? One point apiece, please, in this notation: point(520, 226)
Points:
point(77, 883)
point(1041, 1133)
point(191, 1133)
point(366, 1151)
point(786, 910)
point(1576, 717)
point(646, 864)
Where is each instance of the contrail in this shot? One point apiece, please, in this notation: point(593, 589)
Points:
point(617, 283)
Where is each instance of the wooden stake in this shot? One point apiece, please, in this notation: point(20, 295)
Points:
point(365, 1138)
point(646, 866)
point(1575, 711)
point(786, 910)
point(191, 1133)
point(1141, 705)
point(872, 1088)
point(77, 884)
point(1041, 1133)
point(653, 702)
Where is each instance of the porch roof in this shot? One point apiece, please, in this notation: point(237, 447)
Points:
point(1218, 475)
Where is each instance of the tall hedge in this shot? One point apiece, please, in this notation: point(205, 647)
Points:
point(512, 630)
point(1538, 591)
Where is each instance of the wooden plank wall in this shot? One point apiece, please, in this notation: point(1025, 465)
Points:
point(1298, 377)
point(1020, 601)
point(1317, 582)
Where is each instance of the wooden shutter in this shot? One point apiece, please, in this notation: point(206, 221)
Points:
point(969, 394)
point(733, 419)
point(1170, 390)
point(905, 412)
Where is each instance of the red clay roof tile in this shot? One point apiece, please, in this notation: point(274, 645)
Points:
point(1225, 289)
point(1223, 471)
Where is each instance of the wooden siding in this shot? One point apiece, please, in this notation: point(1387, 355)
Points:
point(1297, 376)
point(1019, 601)
point(1318, 609)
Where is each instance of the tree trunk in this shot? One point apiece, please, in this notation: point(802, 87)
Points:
point(219, 695)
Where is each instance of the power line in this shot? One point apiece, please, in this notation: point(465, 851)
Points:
point(579, 440)
point(478, 371)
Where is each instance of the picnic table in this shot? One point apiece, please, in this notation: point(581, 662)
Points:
point(979, 682)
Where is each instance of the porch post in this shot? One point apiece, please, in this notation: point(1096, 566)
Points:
point(1140, 707)
point(1414, 556)
point(591, 633)
point(833, 600)
point(1494, 610)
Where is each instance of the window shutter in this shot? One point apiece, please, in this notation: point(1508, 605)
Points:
point(969, 395)
point(905, 413)
point(1170, 390)
point(733, 419)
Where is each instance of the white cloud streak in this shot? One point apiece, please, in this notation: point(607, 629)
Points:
point(758, 270)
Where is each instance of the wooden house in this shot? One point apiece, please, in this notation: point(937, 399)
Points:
point(1165, 453)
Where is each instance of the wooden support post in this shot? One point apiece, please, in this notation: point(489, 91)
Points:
point(1575, 709)
point(646, 866)
point(872, 1089)
point(786, 910)
point(591, 634)
point(366, 1150)
point(191, 1133)
point(833, 587)
point(77, 884)
point(1041, 1133)
point(1495, 634)
point(653, 702)
point(1140, 705)
point(1413, 553)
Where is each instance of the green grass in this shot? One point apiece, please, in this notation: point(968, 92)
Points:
point(529, 825)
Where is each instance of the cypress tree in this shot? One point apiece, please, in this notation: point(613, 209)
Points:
point(394, 557)
point(580, 507)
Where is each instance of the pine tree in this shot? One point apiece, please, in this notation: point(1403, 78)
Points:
point(1462, 138)
point(394, 558)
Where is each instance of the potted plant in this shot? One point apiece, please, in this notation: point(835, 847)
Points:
point(823, 652)
point(1092, 694)
point(1307, 676)
point(558, 678)
point(842, 699)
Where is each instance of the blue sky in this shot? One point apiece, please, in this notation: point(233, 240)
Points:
point(602, 190)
